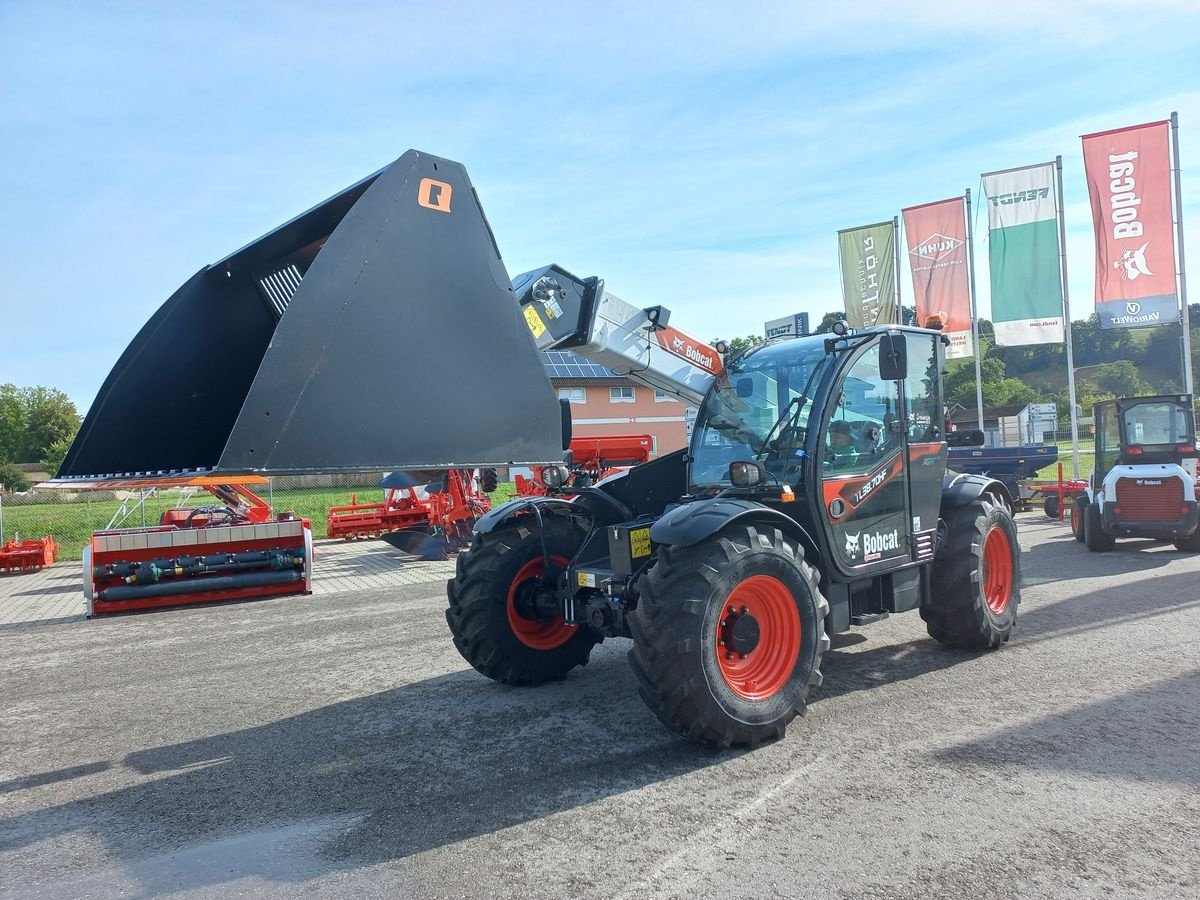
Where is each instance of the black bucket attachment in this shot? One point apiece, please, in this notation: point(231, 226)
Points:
point(378, 330)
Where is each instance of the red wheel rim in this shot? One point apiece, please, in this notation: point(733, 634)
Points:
point(765, 669)
point(530, 632)
point(1076, 521)
point(997, 570)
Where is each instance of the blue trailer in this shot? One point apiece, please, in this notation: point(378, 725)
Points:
point(1011, 466)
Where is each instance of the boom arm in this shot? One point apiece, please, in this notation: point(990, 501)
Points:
point(564, 312)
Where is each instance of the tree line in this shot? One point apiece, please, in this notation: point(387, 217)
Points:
point(37, 425)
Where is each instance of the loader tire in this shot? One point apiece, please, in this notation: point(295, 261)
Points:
point(728, 636)
point(1094, 536)
point(489, 616)
point(1189, 544)
point(975, 585)
point(1078, 514)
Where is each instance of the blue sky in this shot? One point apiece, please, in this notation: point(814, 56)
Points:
point(696, 155)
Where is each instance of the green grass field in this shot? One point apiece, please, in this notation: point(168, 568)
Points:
point(72, 524)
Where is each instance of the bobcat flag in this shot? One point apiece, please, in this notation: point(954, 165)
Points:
point(1129, 181)
point(936, 235)
point(1023, 252)
point(867, 258)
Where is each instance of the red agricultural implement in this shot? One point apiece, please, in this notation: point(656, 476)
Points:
point(27, 556)
point(236, 550)
point(591, 458)
point(429, 518)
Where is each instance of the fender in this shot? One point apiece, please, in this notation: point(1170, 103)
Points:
point(693, 522)
point(505, 511)
point(959, 490)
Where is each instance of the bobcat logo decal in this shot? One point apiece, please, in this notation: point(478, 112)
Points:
point(852, 543)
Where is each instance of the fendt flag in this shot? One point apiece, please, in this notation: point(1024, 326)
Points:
point(1023, 252)
point(867, 257)
point(1129, 180)
point(936, 234)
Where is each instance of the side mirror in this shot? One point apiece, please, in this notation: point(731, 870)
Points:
point(893, 357)
point(564, 410)
point(745, 387)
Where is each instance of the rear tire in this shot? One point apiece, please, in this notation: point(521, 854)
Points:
point(684, 636)
point(1051, 506)
point(1078, 513)
point(976, 578)
point(1094, 536)
point(485, 614)
point(1189, 544)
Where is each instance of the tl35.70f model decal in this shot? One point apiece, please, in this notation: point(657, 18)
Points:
point(843, 495)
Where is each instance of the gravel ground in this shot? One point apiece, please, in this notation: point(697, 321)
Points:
point(337, 745)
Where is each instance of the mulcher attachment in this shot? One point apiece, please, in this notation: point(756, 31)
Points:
point(357, 336)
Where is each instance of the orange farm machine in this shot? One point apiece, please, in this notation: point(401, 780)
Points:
point(588, 460)
point(235, 550)
point(426, 513)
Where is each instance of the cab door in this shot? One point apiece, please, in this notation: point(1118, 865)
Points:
point(924, 433)
point(863, 468)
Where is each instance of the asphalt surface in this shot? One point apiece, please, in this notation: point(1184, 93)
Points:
point(339, 746)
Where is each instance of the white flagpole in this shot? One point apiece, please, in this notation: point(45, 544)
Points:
point(974, 315)
point(1186, 319)
point(896, 272)
point(1062, 271)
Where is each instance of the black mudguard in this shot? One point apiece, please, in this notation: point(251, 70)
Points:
point(959, 490)
point(505, 511)
point(691, 523)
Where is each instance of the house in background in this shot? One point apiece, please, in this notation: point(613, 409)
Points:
point(603, 402)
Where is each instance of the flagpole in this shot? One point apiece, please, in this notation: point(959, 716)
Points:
point(896, 278)
point(974, 315)
point(1186, 319)
point(1062, 271)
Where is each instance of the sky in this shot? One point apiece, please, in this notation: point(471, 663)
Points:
point(697, 155)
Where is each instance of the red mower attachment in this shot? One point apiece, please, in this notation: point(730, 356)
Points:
point(27, 556)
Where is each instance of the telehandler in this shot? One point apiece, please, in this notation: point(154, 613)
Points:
point(814, 496)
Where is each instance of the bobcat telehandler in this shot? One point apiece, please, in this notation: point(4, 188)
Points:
point(814, 495)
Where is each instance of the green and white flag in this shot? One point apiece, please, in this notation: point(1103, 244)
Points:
point(868, 273)
point(1023, 253)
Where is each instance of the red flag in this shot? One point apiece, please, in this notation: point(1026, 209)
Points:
point(936, 235)
point(1129, 180)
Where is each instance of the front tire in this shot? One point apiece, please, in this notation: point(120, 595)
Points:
point(490, 615)
point(976, 578)
point(728, 636)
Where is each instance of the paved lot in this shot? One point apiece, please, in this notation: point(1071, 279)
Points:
point(336, 745)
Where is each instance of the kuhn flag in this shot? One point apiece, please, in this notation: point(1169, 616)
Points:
point(1129, 181)
point(936, 235)
point(867, 257)
point(1023, 256)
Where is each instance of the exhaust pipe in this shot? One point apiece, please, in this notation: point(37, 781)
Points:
point(377, 331)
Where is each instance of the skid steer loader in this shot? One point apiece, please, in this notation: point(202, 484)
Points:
point(814, 495)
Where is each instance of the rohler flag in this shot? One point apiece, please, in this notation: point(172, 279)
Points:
point(1023, 252)
point(936, 235)
point(867, 256)
point(1129, 180)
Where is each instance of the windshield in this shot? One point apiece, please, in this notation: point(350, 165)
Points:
point(1158, 422)
point(740, 416)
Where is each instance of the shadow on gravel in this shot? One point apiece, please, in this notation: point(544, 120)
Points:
point(1129, 556)
point(1149, 734)
point(403, 771)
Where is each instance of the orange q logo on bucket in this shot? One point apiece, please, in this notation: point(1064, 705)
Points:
point(434, 194)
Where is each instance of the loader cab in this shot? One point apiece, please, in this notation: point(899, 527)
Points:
point(851, 426)
point(1143, 431)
